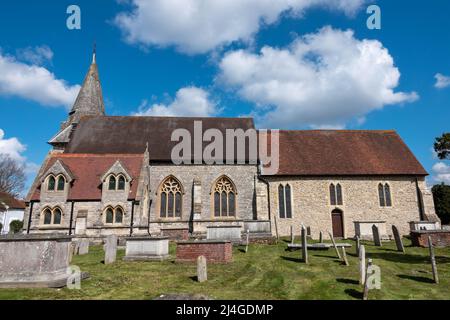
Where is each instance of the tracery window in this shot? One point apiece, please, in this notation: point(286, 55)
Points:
point(52, 216)
point(114, 215)
point(336, 194)
point(384, 194)
point(224, 198)
point(171, 198)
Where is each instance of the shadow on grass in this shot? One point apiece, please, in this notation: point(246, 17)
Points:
point(405, 258)
point(194, 278)
point(415, 278)
point(241, 250)
point(354, 293)
point(347, 281)
point(292, 259)
point(326, 256)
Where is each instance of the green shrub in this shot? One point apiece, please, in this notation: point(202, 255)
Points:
point(15, 226)
point(441, 195)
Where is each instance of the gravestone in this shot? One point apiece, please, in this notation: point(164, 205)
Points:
point(376, 236)
point(398, 239)
point(110, 249)
point(248, 239)
point(344, 257)
point(334, 245)
point(321, 237)
point(362, 264)
point(433, 261)
point(83, 247)
point(292, 234)
point(366, 281)
point(304, 245)
point(358, 245)
point(202, 273)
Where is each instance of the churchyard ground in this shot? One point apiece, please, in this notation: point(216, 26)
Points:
point(265, 272)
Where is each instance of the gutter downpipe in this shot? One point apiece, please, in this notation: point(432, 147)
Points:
point(420, 198)
point(132, 218)
point(71, 218)
point(29, 217)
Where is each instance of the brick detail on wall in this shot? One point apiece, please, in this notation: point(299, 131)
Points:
point(214, 251)
point(439, 238)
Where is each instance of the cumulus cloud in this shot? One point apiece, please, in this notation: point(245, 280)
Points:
point(35, 55)
point(11, 147)
point(442, 81)
point(35, 83)
point(189, 102)
point(198, 26)
point(323, 79)
point(441, 173)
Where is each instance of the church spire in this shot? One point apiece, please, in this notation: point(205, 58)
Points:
point(90, 99)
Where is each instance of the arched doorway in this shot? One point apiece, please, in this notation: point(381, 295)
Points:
point(338, 223)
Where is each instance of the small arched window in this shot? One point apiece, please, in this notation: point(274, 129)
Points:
point(51, 182)
point(112, 183)
point(47, 216)
point(336, 197)
point(57, 216)
point(284, 201)
point(224, 198)
point(121, 183)
point(61, 183)
point(170, 199)
point(114, 216)
point(384, 194)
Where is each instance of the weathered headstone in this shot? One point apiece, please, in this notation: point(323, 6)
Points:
point(321, 237)
point(248, 239)
point(202, 273)
point(304, 245)
point(358, 245)
point(362, 264)
point(76, 247)
point(83, 247)
point(110, 249)
point(334, 245)
point(366, 281)
point(376, 236)
point(344, 257)
point(398, 239)
point(433, 261)
point(292, 234)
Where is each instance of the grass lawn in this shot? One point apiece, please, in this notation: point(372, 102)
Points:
point(265, 272)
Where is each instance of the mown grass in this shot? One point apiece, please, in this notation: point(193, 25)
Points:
point(265, 272)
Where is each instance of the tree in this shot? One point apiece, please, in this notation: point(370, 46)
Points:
point(441, 196)
point(15, 226)
point(12, 175)
point(442, 146)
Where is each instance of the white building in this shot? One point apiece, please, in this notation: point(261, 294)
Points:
point(10, 209)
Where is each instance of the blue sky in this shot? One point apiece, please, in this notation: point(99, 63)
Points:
point(166, 61)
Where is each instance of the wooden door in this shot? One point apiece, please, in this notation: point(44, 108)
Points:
point(338, 224)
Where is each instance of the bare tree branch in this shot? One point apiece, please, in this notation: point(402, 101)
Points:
point(12, 175)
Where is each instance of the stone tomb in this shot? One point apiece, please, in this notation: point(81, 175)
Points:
point(363, 229)
point(34, 261)
point(146, 248)
point(230, 233)
point(439, 238)
point(215, 251)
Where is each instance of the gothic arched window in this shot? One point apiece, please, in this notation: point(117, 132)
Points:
point(336, 195)
point(52, 216)
point(112, 183)
point(284, 201)
point(384, 194)
point(114, 216)
point(61, 183)
point(224, 198)
point(51, 182)
point(171, 196)
point(47, 216)
point(121, 183)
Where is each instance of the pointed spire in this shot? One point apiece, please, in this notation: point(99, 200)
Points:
point(90, 99)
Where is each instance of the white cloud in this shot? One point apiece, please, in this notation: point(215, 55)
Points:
point(442, 81)
point(441, 173)
point(11, 147)
point(37, 55)
point(34, 83)
point(189, 102)
point(198, 26)
point(324, 79)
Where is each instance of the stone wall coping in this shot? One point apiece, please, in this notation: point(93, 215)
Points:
point(423, 222)
point(35, 237)
point(203, 242)
point(170, 229)
point(370, 221)
point(151, 238)
point(223, 227)
point(430, 231)
point(249, 221)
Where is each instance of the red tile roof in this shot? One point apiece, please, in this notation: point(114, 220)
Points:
point(88, 169)
point(11, 202)
point(345, 152)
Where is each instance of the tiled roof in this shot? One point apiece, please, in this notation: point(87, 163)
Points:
point(11, 202)
point(88, 169)
point(345, 152)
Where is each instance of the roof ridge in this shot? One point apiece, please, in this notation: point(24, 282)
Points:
point(97, 155)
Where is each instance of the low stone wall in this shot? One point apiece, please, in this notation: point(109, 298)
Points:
point(146, 248)
point(363, 229)
point(231, 233)
point(257, 226)
point(29, 261)
point(424, 225)
point(215, 251)
point(175, 233)
point(439, 238)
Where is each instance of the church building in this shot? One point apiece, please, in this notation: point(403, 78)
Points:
point(115, 175)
